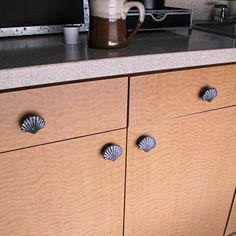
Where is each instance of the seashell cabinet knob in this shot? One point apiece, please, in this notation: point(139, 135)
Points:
point(111, 152)
point(146, 143)
point(32, 124)
point(209, 94)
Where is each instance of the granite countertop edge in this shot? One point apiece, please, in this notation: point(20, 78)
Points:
point(108, 67)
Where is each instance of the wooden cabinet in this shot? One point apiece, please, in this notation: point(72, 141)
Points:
point(231, 225)
point(186, 184)
point(65, 188)
point(57, 183)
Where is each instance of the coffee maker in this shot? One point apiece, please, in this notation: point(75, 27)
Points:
point(158, 16)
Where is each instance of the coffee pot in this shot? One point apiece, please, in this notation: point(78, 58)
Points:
point(108, 23)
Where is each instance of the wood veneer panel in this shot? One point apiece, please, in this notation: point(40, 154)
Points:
point(171, 94)
point(185, 186)
point(63, 189)
point(69, 111)
point(231, 227)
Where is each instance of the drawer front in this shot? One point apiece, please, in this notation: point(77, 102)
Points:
point(64, 188)
point(68, 110)
point(173, 94)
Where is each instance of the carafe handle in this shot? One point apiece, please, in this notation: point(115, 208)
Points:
point(141, 9)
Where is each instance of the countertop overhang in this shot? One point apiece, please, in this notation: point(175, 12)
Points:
point(34, 61)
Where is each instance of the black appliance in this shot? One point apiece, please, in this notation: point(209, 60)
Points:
point(158, 16)
point(27, 17)
point(153, 4)
point(165, 18)
point(30, 17)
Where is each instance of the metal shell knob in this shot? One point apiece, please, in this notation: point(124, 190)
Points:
point(111, 152)
point(146, 143)
point(32, 124)
point(209, 94)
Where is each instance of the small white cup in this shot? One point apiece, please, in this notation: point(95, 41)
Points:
point(71, 34)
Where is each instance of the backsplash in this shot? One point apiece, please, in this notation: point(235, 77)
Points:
point(232, 8)
point(202, 9)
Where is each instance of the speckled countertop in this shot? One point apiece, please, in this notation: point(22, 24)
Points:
point(41, 60)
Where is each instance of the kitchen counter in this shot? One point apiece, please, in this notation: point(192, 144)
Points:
point(41, 60)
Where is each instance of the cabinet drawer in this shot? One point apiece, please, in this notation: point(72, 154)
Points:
point(68, 110)
point(64, 188)
point(172, 94)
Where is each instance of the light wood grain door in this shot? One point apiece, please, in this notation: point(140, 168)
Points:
point(63, 189)
point(183, 187)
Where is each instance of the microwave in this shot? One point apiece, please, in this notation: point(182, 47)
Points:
point(31, 17)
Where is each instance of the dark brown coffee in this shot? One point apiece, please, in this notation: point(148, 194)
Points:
point(106, 33)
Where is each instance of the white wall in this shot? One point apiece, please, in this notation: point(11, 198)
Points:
point(202, 9)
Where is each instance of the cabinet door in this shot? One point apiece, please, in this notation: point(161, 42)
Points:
point(231, 226)
point(63, 189)
point(185, 185)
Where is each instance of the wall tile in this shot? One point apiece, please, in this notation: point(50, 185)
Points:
point(232, 8)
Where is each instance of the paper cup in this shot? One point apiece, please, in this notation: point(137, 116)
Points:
point(71, 34)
